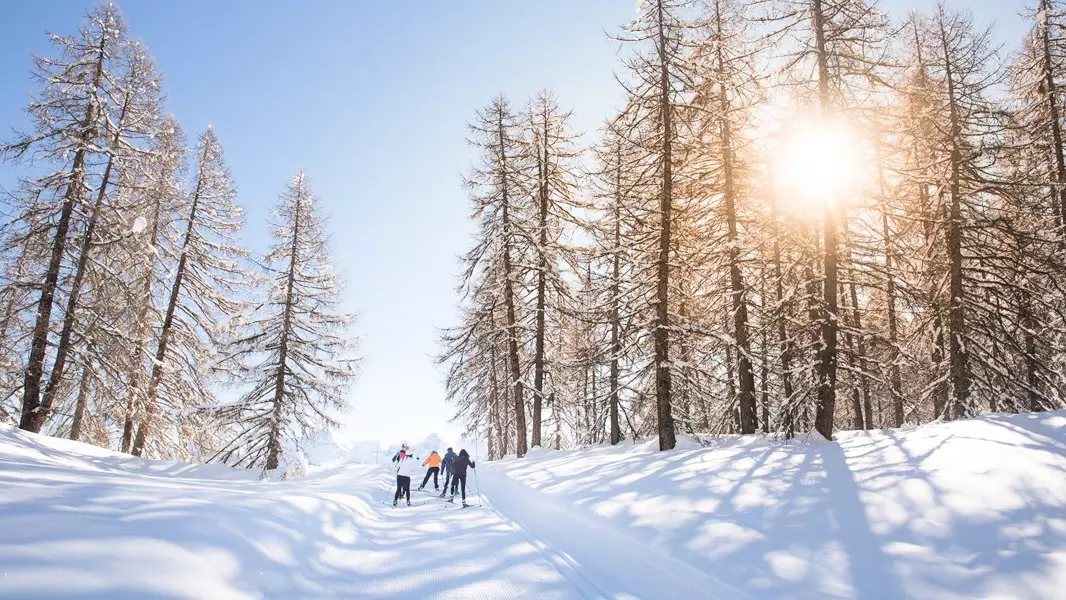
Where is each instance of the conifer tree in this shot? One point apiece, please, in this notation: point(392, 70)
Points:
point(296, 346)
point(70, 125)
point(554, 205)
point(200, 297)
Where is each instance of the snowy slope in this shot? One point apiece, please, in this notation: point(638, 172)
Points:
point(80, 522)
point(974, 509)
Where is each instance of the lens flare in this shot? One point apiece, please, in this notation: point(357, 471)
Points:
point(818, 165)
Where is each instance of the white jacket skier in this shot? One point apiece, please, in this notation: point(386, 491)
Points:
point(410, 466)
point(407, 466)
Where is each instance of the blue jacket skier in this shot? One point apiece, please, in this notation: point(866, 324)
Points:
point(446, 464)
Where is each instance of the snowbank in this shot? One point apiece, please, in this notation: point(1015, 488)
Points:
point(959, 510)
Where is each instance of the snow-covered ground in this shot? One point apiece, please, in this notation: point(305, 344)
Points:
point(962, 510)
point(973, 509)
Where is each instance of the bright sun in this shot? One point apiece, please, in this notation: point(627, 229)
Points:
point(816, 165)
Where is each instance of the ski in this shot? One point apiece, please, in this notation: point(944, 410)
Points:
point(402, 504)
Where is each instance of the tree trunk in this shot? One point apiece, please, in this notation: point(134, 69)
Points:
point(787, 418)
point(508, 293)
point(34, 415)
point(860, 343)
point(731, 388)
point(274, 443)
point(168, 321)
point(764, 374)
point(136, 372)
point(895, 377)
point(79, 406)
point(827, 356)
point(69, 319)
point(616, 285)
point(494, 398)
point(849, 342)
point(1032, 362)
point(1058, 190)
point(542, 267)
point(745, 371)
point(661, 334)
point(960, 373)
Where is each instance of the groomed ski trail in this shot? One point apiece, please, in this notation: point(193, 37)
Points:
point(597, 560)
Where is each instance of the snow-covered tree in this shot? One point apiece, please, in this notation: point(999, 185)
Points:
point(659, 80)
point(493, 268)
point(554, 205)
point(71, 116)
point(835, 54)
point(297, 348)
point(200, 300)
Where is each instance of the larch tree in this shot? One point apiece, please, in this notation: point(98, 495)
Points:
point(970, 197)
point(613, 304)
point(70, 121)
point(133, 120)
point(727, 94)
point(499, 191)
point(159, 188)
point(296, 346)
point(1037, 78)
point(835, 51)
point(659, 78)
point(200, 299)
point(554, 205)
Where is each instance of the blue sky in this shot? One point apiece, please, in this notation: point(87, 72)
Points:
point(371, 99)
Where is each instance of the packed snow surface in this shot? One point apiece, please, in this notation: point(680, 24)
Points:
point(974, 509)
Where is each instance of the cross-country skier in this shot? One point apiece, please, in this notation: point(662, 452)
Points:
point(433, 462)
point(404, 449)
point(459, 466)
point(407, 466)
point(449, 456)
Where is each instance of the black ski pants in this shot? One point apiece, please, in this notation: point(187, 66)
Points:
point(403, 488)
point(432, 471)
point(459, 481)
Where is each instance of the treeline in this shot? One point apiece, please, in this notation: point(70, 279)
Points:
point(806, 216)
point(126, 302)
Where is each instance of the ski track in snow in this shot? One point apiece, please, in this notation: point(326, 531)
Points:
point(975, 509)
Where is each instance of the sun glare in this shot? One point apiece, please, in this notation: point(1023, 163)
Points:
point(817, 165)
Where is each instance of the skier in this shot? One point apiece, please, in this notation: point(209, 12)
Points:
point(434, 468)
point(459, 466)
point(407, 467)
point(449, 457)
point(396, 458)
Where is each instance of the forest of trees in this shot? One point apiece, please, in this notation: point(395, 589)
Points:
point(130, 317)
point(806, 216)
